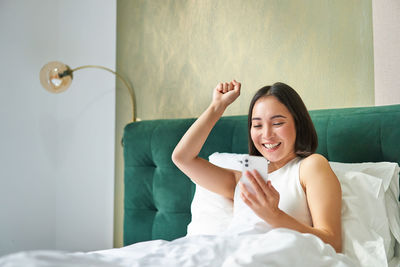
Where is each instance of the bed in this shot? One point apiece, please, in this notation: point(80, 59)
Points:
point(161, 204)
point(158, 196)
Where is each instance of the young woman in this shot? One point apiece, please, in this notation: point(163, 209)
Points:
point(306, 195)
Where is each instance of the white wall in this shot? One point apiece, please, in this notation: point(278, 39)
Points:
point(386, 27)
point(56, 151)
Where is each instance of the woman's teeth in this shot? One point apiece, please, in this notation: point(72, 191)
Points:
point(271, 146)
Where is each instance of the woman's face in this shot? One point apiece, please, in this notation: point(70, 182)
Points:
point(273, 131)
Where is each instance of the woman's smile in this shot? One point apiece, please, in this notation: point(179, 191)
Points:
point(272, 146)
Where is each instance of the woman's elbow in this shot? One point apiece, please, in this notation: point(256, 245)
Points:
point(338, 248)
point(178, 158)
point(175, 157)
point(337, 245)
point(333, 239)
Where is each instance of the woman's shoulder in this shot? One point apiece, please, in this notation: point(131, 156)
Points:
point(313, 165)
point(314, 160)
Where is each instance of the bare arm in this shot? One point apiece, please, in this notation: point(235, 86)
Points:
point(185, 156)
point(324, 198)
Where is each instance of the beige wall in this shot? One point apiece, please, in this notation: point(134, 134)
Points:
point(386, 21)
point(175, 52)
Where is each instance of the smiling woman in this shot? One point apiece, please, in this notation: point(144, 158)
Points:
point(304, 195)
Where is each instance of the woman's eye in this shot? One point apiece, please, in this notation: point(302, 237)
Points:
point(278, 123)
point(256, 126)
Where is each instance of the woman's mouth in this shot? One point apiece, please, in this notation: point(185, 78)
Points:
point(271, 146)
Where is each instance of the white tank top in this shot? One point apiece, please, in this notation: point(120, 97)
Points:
point(292, 201)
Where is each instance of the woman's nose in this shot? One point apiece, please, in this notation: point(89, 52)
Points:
point(267, 132)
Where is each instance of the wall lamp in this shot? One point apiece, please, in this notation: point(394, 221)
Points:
point(56, 77)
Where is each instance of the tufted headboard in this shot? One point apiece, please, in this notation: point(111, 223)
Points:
point(158, 196)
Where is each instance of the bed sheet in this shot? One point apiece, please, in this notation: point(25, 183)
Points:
point(278, 247)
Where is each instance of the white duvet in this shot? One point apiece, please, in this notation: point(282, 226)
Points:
point(278, 247)
point(370, 223)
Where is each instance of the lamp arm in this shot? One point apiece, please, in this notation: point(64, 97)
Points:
point(118, 76)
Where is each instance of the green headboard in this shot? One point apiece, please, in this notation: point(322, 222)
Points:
point(158, 196)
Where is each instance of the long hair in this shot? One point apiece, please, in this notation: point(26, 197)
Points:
point(306, 136)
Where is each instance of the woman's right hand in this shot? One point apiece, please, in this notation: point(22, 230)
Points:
point(226, 93)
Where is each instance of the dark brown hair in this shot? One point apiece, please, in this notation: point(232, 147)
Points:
point(306, 136)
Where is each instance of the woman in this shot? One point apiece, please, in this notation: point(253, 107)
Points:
point(280, 129)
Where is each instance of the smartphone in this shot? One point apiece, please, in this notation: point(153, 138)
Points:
point(250, 163)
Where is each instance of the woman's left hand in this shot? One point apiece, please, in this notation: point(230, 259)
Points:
point(264, 202)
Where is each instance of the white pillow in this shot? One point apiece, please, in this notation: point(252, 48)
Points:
point(212, 213)
point(389, 173)
point(370, 213)
point(365, 226)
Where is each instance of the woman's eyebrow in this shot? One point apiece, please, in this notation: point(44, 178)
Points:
point(271, 118)
point(277, 116)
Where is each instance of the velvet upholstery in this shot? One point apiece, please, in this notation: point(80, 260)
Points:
point(158, 196)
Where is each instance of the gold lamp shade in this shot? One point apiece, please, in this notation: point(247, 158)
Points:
point(56, 77)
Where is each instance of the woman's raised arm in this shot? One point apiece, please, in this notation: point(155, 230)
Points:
point(185, 155)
